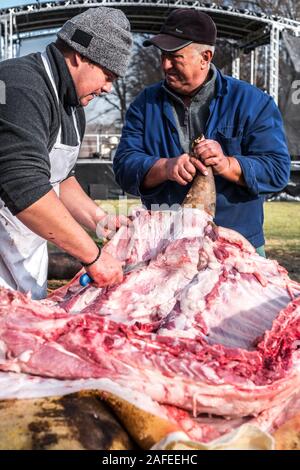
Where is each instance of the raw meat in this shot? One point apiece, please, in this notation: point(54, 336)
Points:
point(208, 326)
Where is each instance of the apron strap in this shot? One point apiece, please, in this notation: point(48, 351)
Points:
point(48, 69)
point(75, 125)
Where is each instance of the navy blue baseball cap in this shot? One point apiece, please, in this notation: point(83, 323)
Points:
point(181, 28)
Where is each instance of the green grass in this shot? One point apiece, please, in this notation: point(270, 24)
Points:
point(282, 232)
point(282, 224)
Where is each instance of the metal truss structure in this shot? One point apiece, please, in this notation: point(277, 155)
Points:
point(245, 29)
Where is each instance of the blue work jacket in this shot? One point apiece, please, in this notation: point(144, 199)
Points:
point(247, 124)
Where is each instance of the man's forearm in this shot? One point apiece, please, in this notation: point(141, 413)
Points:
point(156, 175)
point(49, 218)
point(84, 210)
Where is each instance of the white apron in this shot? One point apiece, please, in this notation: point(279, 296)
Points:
point(23, 254)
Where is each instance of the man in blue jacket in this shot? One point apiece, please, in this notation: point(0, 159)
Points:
point(244, 137)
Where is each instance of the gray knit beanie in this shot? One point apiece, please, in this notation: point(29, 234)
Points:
point(102, 35)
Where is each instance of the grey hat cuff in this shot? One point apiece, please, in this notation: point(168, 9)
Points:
point(113, 57)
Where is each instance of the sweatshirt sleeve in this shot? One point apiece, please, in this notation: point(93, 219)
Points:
point(25, 119)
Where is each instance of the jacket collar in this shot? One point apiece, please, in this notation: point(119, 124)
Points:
point(221, 84)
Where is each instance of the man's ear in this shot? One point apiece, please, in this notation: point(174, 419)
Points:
point(76, 59)
point(206, 58)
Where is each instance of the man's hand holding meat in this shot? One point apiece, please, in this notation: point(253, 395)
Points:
point(106, 270)
point(109, 224)
point(183, 168)
point(211, 154)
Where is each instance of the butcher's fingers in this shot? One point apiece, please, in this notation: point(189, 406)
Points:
point(185, 174)
point(123, 220)
point(212, 161)
point(178, 178)
point(199, 165)
point(108, 225)
point(176, 171)
point(190, 167)
point(208, 148)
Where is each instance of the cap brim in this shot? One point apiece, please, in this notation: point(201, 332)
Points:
point(167, 43)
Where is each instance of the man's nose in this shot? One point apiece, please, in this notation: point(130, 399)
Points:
point(166, 63)
point(107, 87)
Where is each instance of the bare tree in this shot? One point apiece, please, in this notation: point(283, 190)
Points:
point(118, 99)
